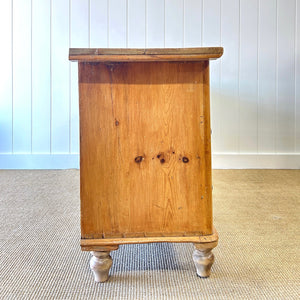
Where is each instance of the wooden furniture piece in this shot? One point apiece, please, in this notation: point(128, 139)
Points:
point(145, 151)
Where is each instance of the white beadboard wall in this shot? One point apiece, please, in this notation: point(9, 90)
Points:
point(255, 88)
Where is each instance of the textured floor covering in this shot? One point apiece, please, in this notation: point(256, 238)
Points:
point(255, 212)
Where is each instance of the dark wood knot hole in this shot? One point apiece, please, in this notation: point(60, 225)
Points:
point(138, 159)
point(185, 160)
point(160, 156)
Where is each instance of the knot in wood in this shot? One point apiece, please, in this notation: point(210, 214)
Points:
point(185, 160)
point(138, 159)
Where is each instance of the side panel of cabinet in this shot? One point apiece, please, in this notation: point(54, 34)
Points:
point(145, 154)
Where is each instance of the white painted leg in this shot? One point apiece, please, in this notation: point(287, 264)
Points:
point(204, 258)
point(100, 264)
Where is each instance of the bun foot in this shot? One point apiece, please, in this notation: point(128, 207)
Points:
point(204, 258)
point(100, 264)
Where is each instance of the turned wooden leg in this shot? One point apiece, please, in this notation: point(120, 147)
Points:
point(204, 258)
point(100, 264)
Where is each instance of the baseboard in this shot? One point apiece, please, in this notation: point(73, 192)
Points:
point(39, 161)
point(219, 161)
point(256, 161)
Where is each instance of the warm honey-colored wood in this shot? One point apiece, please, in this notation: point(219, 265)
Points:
point(98, 244)
point(145, 149)
point(166, 54)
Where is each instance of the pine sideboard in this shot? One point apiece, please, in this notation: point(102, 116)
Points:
point(145, 151)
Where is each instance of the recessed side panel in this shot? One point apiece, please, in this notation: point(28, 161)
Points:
point(145, 149)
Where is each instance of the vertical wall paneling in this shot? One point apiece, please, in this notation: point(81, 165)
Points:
point(6, 78)
point(40, 76)
point(136, 24)
point(248, 81)
point(255, 86)
point(80, 37)
point(192, 23)
point(155, 24)
point(98, 23)
point(227, 137)
point(286, 76)
point(80, 23)
point(212, 37)
point(21, 76)
point(211, 23)
point(267, 76)
point(297, 79)
point(174, 33)
point(60, 109)
point(117, 16)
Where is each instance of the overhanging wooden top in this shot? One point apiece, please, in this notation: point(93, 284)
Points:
point(157, 54)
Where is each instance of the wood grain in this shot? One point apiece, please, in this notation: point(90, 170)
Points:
point(166, 54)
point(145, 149)
point(100, 244)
